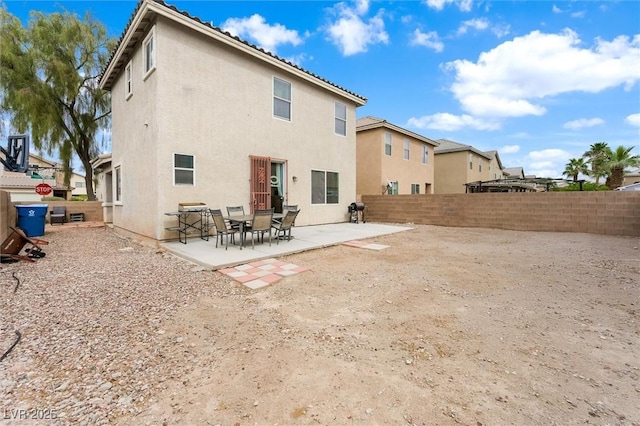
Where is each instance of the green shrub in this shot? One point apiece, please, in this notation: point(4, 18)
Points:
point(586, 186)
point(53, 199)
point(79, 198)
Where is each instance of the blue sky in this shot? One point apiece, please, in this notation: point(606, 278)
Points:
point(539, 81)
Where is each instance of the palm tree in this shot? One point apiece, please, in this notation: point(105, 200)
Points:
point(574, 167)
point(597, 157)
point(618, 161)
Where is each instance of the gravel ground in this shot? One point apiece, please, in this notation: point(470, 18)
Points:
point(446, 326)
point(91, 315)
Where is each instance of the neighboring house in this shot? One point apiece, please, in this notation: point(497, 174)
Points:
point(78, 185)
point(390, 159)
point(514, 173)
point(631, 177)
point(201, 116)
point(495, 170)
point(457, 164)
point(22, 186)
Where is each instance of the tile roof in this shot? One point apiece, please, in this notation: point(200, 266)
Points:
point(137, 27)
point(370, 122)
point(447, 146)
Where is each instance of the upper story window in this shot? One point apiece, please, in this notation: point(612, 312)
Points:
point(479, 164)
point(471, 161)
point(406, 149)
point(341, 119)
point(425, 154)
point(183, 169)
point(128, 83)
point(281, 99)
point(387, 143)
point(149, 51)
point(79, 184)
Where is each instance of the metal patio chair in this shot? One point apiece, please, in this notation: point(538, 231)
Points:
point(283, 229)
point(222, 229)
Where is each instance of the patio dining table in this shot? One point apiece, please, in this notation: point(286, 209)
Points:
point(242, 220)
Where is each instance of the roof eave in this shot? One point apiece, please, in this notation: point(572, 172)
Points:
point(150, 9)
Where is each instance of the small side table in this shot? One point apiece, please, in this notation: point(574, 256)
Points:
point(76, 217)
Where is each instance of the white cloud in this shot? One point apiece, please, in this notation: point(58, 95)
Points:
point(578, 14)
point(353, 34)
point(546, 163)
point(449, 122)
point(633, 119)
point(266, 36)
point(511, 79)
point(478, 24)
point(430, 40)
point(547, 154)
point(556, 9)
point(463, 5)
point(501, 30)
point(582, 123)
point(509, 149)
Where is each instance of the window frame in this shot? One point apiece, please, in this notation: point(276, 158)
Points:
point(470, 161)
point(149, 40)
point(128, 80)
point(406, 151)
point(117, 183)
point(339, 119)
point(277, 98)
point(415, 188)
point(192, 169)
point(326, 187)
point(425, 154)
point(388, 143)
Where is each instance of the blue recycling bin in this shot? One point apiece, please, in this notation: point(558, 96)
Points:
point(31, 218)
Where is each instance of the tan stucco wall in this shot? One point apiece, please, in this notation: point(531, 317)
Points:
point(375, 168)
point(369, 151)
point(452, 171)
point(207, 101)
point(597, 212)
point(630, 178)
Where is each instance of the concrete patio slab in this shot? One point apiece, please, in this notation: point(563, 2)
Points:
point(206, 254)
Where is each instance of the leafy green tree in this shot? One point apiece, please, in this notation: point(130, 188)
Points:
point(48, 83)
point(617, 162)
point(574, 167)
point(597, 157)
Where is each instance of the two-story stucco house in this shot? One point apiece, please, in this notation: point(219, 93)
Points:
point(201, 116)
point(457, 164)
point(392, 160)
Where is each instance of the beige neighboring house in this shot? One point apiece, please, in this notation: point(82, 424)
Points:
point(495, 170)
point(78, 185)
point(631, 177)
point(393, 160)
point(22, 186)
point(458, 164)
point(514, 173)
point(201, 116)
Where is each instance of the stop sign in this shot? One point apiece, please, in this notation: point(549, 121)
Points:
point(43, 189)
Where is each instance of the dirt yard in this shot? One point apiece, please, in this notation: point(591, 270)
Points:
point(446, 326)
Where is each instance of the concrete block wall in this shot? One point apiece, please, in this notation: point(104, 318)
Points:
point(92, 211)
point(7, 215)
point(602, 212)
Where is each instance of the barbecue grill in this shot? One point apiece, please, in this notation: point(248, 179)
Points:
point(356, 209)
